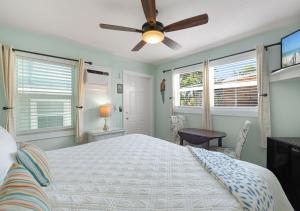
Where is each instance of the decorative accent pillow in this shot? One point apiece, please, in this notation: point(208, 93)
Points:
point(35, 161)
point(20, 191)
point(8, 148)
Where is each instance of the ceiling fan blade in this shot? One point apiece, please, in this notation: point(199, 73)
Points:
point(171, 43)
point(139, 46)
point(119, 28)
point(187, 23)
point(149, 10)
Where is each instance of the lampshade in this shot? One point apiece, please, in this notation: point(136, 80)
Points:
point(153, 36)
point(105, 110)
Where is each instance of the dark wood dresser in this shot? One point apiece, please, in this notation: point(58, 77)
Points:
point(283, 159)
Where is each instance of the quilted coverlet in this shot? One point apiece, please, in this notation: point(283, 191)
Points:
point(132, 173)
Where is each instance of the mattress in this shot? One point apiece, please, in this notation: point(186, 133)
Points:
point(138, 172)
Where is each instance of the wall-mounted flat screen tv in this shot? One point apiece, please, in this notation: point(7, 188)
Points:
point(290, 49)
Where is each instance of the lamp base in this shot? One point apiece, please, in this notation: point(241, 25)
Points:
point(105, 127)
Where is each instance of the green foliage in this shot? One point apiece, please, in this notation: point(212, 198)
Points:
point(192, 79)
point(246, 69)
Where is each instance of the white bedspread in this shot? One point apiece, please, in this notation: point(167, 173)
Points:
point(135, 172)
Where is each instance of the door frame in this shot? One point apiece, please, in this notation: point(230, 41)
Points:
point(151, 97)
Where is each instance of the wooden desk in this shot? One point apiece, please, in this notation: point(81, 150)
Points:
point(200, 136)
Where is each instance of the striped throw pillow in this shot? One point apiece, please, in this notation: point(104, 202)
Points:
point(35, 161)
point(20, 191)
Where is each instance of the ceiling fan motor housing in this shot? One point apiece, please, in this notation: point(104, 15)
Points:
point(158, 26)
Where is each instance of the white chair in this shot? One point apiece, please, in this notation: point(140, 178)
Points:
point(177, 123)
point(236, 152)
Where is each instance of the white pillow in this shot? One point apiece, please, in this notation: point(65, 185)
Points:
point(8, 148)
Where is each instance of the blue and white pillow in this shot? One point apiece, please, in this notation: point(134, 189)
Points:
point(35, 161)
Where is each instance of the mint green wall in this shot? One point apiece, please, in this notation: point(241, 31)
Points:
point(285, 98)
point(286, 108)
point(51, 45)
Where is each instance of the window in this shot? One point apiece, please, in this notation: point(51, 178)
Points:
point(188, 87)
point(44, 94)
point(235, 83)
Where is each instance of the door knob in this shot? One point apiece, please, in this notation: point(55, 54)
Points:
point(127, 118)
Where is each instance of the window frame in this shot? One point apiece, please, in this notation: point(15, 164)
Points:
point(219, 110)
point(176, 91)
point(47, 133)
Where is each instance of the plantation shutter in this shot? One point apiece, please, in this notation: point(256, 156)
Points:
point(44, 94)
point(190, 88)
point(235, 84)
point(188, 85)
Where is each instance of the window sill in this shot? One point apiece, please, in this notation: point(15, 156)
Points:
point(45, 134)
point(187, 110)
point(238, 112)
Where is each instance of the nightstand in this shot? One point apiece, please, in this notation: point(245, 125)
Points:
point(98, 134)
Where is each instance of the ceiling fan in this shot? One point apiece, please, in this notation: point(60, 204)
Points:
point(153, 31)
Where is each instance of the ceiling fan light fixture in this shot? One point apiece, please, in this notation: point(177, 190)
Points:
point(154, 31)
point(153, 36)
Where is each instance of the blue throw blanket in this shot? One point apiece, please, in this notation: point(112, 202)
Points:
point(248, 188)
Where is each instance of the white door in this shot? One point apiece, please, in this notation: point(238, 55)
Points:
point(138, 103)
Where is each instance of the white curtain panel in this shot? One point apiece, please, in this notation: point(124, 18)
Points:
point(263, 84)
point(206, 115)
point(174, 94)
point(7, 66)
point(79, 103)
point(172, 101)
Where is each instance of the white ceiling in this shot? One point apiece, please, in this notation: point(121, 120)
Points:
point(78, 20)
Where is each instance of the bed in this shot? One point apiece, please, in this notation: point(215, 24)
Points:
point(138, 172)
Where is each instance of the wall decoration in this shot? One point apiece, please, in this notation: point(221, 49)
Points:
point(120, 88)
point(163, 89)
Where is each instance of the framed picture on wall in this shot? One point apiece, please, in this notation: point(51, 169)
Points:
point(120, 88)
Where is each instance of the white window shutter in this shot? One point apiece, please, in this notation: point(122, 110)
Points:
point(235, 84)
point(44, 94)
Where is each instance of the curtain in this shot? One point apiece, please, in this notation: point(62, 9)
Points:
point(263, 84)
point(206, 115)
point(172, 108)
point(79, 103)
point(7, 65)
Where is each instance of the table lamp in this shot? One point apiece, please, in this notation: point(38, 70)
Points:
point(105, 112)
